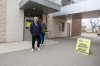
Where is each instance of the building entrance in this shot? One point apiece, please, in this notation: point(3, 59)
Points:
point(27, 22)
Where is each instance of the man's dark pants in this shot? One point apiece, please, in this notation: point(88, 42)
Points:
point(42, 37)
point(34, 38)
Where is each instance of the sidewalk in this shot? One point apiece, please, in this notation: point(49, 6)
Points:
point(91, 36)
point(17, 46)
point(53, 54)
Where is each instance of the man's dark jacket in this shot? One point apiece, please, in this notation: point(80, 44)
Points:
point(35, 30)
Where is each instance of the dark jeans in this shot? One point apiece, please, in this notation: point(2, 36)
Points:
point(42, 37)
point(34, 38)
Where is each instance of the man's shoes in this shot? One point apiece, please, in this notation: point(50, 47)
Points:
point(41, 44)
point(38, 49)
point(32, 50)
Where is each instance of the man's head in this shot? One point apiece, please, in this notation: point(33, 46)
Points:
point(35, 19)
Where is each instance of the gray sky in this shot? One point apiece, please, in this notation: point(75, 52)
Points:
point(85, 22)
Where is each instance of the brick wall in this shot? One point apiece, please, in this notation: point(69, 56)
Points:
point(2, 20)
point(76, 24)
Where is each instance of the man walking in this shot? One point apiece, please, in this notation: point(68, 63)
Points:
point(35, 30)
point(42, 34)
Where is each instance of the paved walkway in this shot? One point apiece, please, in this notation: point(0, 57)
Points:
point(92, 36)
point(59, 54)
point(17, 46)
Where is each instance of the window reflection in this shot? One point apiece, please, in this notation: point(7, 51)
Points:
point(68, 2)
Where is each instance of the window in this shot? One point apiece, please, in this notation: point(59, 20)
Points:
point(61, 26)
point(68, 2)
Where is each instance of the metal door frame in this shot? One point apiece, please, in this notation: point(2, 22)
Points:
point(25, 18)
point(68, 29)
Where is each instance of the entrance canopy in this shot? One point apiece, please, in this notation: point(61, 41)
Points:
point(45, 6)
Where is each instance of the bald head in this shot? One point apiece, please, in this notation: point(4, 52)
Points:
point(35, 19)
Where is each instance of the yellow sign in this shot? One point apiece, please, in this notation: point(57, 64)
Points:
point(83, 46)
point(46, 33)
point(28, 24)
